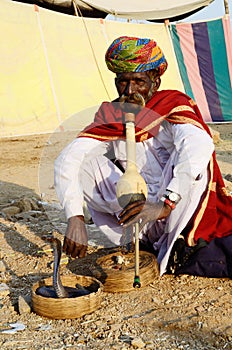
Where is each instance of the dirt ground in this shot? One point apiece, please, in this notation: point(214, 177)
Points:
point(184, 312)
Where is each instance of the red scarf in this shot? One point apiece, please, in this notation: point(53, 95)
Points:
point(172, 105)
point(213, 217)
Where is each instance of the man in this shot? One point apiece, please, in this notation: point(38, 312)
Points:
point(175, 156)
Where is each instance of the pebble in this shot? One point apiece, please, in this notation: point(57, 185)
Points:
point(24, 307)
point(11, 211)
point(155, 300)
point(228, 177)
point(138, 343)
point(2, 266)
point(4, 290)
point(115, 327)
point(199, 309)
point(215, 135)
point(228, 331)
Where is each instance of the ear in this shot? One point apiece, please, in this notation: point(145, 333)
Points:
point(156, 84)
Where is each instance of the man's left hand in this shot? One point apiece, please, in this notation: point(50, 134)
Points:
point(143, 212)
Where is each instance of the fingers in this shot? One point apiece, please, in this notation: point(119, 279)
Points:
point(83, 251)
point(130, 212)
point(74, 249)
point(132, 206)
point(128, 218)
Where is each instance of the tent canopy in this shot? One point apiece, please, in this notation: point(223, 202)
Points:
point(148, 9)
point(136, 9)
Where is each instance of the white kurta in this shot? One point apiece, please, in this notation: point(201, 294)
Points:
point(176, 159)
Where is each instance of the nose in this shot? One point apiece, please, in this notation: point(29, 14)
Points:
point(130, 88)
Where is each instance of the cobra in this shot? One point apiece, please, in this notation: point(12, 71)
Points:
point(57, 290)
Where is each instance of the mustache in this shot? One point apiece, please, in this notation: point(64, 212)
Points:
point(134, 98)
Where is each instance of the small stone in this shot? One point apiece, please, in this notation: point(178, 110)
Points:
point(24, 307)
point(2, 266)
point(138, 343)
point(228, 177)
point(115, 327)
point(155, 300)
point(81, 340)
point(215, 135)
point(199, 309)
point(11, 211)
point(228, 331)
point(4, 290)
point(25, 204)
point(4, 277)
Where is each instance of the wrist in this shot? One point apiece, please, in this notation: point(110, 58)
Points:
point(170, 199)
point(76, 217)
point(168, 203)
point(165, 210)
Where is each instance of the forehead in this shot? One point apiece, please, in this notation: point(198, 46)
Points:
point(133, 75)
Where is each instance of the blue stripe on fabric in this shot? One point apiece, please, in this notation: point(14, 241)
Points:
point(220, 64)
point(180, 61)
point(206, 68)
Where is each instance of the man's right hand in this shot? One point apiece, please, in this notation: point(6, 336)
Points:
point(76, 238)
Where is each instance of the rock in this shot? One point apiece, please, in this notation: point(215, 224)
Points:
point(11, 211)
point(2, 266)
point(4, 290)
point(24, 307)
point(29, 214)
point(25, 204)
point(138, 343)
point(200, 309)
point(228, 177)
point(228, 331)
point(215, 135)
point(115, 327)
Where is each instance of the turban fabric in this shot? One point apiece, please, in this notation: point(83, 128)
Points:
point(130, 54)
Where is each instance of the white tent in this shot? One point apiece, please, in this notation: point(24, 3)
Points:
point(136, 9)
point(148, 9)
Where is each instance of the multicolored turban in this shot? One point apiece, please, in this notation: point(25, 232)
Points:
point(130, 54)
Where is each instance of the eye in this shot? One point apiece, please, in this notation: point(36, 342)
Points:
point(124, 82)
point(140, 82)
point(121, 82)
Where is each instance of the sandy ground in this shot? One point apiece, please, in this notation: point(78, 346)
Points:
point(183, 312)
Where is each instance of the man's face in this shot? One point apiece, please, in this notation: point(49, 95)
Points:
point(131, 83)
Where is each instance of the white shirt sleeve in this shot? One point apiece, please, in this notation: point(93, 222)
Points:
point(66, 174)
point(194, 149)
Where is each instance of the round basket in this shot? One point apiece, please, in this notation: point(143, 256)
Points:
point(120, 277)
point(68, 308)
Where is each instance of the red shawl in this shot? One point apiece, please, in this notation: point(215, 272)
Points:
point(213, 217)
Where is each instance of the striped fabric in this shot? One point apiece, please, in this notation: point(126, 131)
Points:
point(204, 55)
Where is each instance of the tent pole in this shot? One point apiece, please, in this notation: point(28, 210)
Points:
point(226, 5)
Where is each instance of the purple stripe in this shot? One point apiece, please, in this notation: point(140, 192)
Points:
point(202, 47)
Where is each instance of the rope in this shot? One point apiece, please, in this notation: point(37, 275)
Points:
point(78, 13)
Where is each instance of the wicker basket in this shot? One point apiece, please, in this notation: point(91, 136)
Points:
point(68, 308)
point(120, 278)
